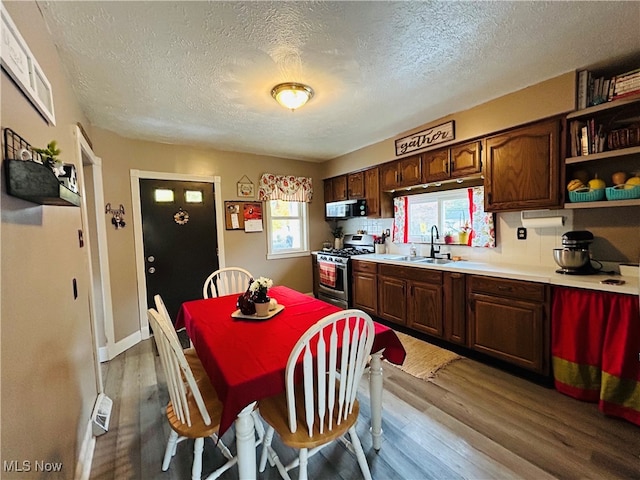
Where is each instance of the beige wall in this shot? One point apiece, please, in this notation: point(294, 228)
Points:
point(47, 364)
point(555, 96)
point(248, 250)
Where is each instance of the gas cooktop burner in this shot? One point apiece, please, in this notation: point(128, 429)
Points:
point(346, 252)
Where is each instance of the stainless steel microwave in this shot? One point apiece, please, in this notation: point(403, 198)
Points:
point(346, 209)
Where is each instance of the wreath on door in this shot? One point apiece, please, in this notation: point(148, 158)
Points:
point(181, 217)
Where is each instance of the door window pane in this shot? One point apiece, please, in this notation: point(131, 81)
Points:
point(193, 196)
point(163, 195)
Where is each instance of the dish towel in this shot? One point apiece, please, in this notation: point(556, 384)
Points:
point(327, 274)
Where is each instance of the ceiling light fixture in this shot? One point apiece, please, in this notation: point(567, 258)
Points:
point(292, 95)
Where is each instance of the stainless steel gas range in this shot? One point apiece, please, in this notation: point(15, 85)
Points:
point(333, 269)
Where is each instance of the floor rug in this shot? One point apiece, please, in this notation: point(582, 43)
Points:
point(424, 359)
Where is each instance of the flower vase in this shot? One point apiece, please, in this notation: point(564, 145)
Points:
point(337, 244)
point(463, 238)
point(262, 307)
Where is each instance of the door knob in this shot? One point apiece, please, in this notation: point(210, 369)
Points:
point(152, 270)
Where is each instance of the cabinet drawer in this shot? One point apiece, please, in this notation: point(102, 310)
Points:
point(409, 273)
point(508, 288)
point(364, 266)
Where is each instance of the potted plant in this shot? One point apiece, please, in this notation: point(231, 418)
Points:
point(337, 235)
point(49, 156)
point(260, 289)
point(448, 237)
point(463, 236)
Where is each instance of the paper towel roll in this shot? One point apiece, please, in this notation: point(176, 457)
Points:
point(542, 222)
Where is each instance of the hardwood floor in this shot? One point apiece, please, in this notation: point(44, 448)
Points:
point(470, 421)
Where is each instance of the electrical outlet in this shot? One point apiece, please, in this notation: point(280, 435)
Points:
point(522, 233)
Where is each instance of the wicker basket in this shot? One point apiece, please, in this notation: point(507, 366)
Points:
point(614, 193)
point(582, 195)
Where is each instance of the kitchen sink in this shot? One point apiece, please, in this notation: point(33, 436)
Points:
point(418, 258)
point(436, 261)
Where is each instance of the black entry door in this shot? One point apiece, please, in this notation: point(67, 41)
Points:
point(180, 241)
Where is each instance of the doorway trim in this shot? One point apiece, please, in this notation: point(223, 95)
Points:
point(100, 305)
point(136, 175)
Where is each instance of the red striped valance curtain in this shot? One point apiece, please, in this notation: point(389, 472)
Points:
point(285, 187)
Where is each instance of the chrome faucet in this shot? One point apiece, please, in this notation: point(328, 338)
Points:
point(433, 252)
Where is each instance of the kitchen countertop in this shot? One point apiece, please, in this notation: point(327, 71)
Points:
point(516, 272)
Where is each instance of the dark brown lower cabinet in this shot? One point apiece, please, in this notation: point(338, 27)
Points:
point(365, 286)
point(509, 320)
point(392, 299)
point(412, 297)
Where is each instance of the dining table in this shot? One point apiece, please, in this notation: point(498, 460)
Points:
point(246, 358)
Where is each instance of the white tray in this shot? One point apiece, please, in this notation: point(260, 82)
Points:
point(272, 313)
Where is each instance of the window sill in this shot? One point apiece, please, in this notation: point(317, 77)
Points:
point(291, 254)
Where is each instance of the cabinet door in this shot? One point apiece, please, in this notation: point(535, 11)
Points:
point(410, 171)
point(425, 308)
point(510, 330)
point(328, 190)
point(340, 188)
point(465, 159)
point(455, 308)
point(522, 168)
point(356, 187)
point(435, 165)
point(389, 176)
point(379, 203)
point(392, 299)
point(365, 292)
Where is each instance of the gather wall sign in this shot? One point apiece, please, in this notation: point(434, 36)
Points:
point(429, 137)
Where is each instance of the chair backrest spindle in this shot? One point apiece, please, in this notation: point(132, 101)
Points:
point(180, 380)
point(351, 332)
point(226, 281)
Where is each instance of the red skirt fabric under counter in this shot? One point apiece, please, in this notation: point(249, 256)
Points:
point(595, 346)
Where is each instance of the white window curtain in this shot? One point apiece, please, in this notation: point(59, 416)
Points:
point(285, 187)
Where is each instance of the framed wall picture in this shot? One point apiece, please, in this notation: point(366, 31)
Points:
point(18, 61)
point(246, 188)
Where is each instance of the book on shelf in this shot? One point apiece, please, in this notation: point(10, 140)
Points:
point(583, 76)
point(584, 140)
point(632, 93)
point(592, 90)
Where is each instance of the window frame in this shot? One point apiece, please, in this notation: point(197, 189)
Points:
point(439, 198)
point(304, 232)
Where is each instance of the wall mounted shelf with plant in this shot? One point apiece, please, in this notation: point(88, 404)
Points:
point(31, 180)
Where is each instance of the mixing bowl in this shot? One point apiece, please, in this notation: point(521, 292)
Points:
point(571, 257)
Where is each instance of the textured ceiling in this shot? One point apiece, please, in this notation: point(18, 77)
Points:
point(200, 73)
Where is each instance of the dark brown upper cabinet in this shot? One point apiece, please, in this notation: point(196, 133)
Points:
point(523, 168)
point(405, 172)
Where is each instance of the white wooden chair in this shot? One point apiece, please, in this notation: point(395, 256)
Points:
point(190, 353)
point(323, 407)
point(226, 281)
point(194, 409)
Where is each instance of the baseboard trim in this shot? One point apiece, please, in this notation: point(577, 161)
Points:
point(83, 467)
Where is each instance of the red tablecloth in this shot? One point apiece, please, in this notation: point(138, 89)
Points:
point(246, 359)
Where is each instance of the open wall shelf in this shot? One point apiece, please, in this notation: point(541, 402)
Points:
point(31, 180)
